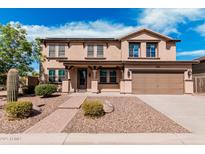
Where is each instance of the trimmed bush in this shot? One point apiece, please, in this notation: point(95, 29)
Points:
point(45, 90)
point(19, 109)
point(93, 108)
point(28, 89)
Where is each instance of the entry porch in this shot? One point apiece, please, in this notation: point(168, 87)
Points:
point(93, 77)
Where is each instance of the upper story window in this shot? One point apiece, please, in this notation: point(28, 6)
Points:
point(52, 51)
point(95, 51)
point(151, 50)
point(90, 51)
point(61, 51)
point(134, 49)
point(99, 50)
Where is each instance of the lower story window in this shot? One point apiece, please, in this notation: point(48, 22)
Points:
point(52, 75)
point(61, 75)
point(108, 76)
point(113, 76)
point(54, 78)
point(103, 76)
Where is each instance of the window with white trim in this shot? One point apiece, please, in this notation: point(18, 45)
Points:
point(113, 76)
point(56, 75)
point(61, 51)
point(151, 50)
point(103, 76)
point(108, 76)
point(134, 50)
point(61, 75)
point(52, 51)
point(90, 51)
point(52, 75)
point(99, 50)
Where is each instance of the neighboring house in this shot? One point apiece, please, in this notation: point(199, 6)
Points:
point(143, 62)
point(200, 67)
point(199, 75)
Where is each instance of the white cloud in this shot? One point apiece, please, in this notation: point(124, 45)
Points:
point(167, 20)
point(98, 28)
point(192, 53)
point(201, 29)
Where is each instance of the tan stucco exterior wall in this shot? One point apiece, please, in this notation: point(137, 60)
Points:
point(165, 51)
point(116, 51)
point(188, 81)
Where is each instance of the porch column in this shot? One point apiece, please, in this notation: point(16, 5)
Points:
point(127, 81)
point(122, 73)
point(94, 74)
point(94, 82)
point(67, 74)
point(66, 82)
point(188, 82)
point(122, 82)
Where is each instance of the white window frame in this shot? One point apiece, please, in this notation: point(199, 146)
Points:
point(100, 51)
point(133, 56)
point(62, 77)
point(60, 51)
point(52, 76)
point(108, 76)
point(49, 50)
point(150, 51)
point(93, 51)
point(56, 75)
point(113, 76)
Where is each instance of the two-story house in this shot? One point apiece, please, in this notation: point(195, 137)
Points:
point(143, 62)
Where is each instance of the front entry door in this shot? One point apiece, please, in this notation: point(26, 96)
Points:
point(82, 79)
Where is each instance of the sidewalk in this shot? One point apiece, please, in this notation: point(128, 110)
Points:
point(122, 138)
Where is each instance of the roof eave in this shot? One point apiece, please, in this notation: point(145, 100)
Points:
point(145, 29)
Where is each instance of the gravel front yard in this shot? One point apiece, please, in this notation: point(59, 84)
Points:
point(131, 115)
point(48, 105)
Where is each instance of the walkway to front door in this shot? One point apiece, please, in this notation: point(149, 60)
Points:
point(56, 122)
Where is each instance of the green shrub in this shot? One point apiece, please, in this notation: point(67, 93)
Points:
point(45, 90)
point(28, 89)
point(93, 108)
point(19, 109)
point(3, 78)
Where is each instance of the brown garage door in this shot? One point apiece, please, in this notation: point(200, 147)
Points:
point(157, 83)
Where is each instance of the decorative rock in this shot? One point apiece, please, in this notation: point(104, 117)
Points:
point(36, 108)
point(108, 107)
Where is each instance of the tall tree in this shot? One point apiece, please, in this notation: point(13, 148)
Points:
point(16, 51)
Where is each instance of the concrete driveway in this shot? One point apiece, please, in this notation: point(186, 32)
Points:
point(186, 110)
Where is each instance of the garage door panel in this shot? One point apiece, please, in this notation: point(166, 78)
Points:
point(158, 83)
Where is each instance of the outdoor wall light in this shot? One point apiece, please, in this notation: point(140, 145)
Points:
point(189, 73)
point(128, 74)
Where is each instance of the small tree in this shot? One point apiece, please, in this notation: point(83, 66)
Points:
point(16, 51)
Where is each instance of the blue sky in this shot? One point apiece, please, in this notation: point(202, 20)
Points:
point(187, 25)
